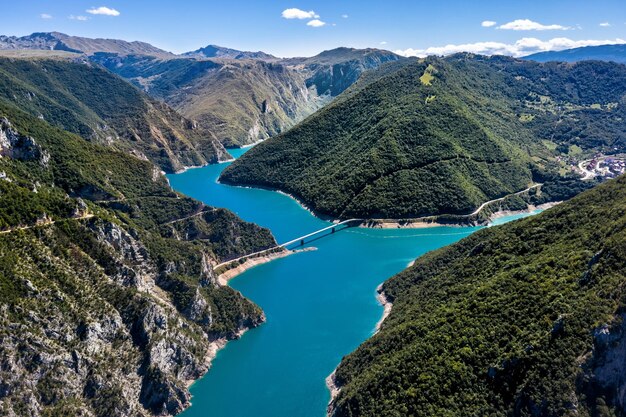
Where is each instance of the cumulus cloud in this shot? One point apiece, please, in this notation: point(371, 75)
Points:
point(527, 24)
point(299, 14)
point(81, 18)
point(488, 23)
point(45, 16)
point(605, 24)
point(345, 16)
point(316, 23)
point(521, 47)
point(383, 43)
point(106, 11)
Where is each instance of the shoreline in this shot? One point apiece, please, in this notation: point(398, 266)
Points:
point(504, 213)
point(302, 205)
point(420, 223)
point(406, 223)
point(213, 348)
point(219, 161)
point(385, 303)
point(229, 274)
point(331, 382)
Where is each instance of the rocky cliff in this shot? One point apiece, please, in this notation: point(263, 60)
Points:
point(242, 100)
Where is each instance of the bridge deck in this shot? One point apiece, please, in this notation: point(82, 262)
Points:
point(291, 242)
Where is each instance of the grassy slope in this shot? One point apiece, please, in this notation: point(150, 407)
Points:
point(127, 262)
point(100, 106)
point(503, 322)
point(439, 136)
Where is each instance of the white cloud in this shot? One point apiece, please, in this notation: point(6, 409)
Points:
point(316, 23)
point(521, 47)
point(299, 14)
point(488, 23)
point(605, 24)
point(81, 18)
point(45, 16)
point(345, 16)
point(106, 11)
point(527, 24)
point(383, 43)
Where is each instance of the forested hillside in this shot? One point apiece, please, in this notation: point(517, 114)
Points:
point(85, 99)
point(524, 319)
point(108, 301)
point(443, 135)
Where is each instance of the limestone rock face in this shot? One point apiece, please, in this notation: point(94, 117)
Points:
point(604, 370)
point(16, 146)
point(107, 337)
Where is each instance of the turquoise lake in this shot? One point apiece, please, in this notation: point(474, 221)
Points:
point(320, 305)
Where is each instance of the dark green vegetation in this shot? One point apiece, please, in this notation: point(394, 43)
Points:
point(249, 97)
point(614, 53)
point(441, 136)
point(524, 319)
point(108, 299)
point(90, 101)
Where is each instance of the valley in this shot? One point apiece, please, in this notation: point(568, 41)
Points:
point(354, 232)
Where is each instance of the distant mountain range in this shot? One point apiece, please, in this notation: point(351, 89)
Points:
point(614, 53)
point(56, 41)
point(214, 51)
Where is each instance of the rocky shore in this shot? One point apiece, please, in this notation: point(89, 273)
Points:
point(229, 274)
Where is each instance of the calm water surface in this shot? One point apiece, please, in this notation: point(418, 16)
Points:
point(320, 305)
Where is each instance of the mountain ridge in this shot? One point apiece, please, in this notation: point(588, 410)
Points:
point(88, 100)
point(614, 53)
point(241, 97)
point(77, 44)
point(215, 51)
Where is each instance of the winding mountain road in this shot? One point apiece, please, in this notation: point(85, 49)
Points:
point(483, 205)
point(44, 223)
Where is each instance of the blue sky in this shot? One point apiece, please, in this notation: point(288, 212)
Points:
point(412, 27)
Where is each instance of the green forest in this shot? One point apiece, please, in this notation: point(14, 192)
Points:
point(514, 320)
